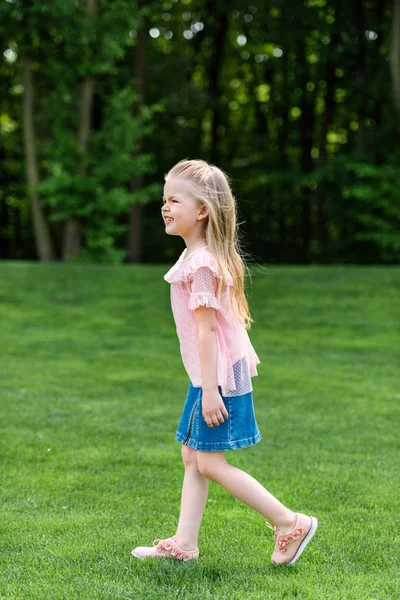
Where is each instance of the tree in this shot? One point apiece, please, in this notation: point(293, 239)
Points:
point(73, 226)
point(395, 54)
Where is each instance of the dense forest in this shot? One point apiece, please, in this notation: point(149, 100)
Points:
point(298, 100)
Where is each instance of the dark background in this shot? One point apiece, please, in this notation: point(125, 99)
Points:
point(299, 101)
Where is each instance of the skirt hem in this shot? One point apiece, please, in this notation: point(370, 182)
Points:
point(218, 446)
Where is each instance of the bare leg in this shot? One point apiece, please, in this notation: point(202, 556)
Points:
point(244, 487)
point(193, 501)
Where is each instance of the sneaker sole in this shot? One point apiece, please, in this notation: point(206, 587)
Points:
point(144, 557)
point(171, 557)
point(307, 539)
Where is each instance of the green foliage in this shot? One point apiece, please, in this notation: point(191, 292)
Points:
point(375, 189)
point(101, 194)
point(367, 201)
point(100, 241)
point(282, 97)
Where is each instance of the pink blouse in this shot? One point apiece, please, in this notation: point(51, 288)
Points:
point(193, 281)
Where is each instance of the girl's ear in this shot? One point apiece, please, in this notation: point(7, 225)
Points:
point(203, 212)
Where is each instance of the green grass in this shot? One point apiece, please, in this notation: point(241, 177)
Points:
point(92, 388)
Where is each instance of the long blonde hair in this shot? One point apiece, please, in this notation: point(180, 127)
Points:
point(212, 188)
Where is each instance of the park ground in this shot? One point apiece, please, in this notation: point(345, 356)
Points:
point(92, 387)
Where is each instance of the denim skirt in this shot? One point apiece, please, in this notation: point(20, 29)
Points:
point(237, 431)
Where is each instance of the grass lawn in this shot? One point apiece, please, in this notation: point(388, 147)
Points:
point(92, 387)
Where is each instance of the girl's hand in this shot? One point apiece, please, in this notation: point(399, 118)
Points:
point(214, 409)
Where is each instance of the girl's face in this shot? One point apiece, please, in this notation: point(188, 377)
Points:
point(181, 212)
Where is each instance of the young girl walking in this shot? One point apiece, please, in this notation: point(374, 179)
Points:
point(212, 317)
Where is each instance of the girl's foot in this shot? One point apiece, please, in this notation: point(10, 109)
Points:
point(165, 549)
point(289, 546)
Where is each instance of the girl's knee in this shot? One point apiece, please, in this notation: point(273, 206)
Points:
point(209, 463)
point(189, 457)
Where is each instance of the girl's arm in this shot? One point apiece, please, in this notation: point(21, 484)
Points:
point(214, 409)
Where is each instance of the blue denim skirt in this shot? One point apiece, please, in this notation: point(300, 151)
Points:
point(237, 431)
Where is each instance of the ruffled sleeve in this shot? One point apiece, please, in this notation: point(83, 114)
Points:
point(199, 272)
point(203, 289)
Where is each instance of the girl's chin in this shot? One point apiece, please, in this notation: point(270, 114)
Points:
point(169, 225)
point(169, 229)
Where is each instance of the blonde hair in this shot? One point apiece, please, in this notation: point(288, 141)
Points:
point(212, 188)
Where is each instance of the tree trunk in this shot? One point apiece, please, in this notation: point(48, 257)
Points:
point(135, 226)
point(395, 54)
point(360, 73)
point(379, 102)
point(283, 112)
point(219, 28)
point(73, 228)
point(4, 223)
point(139, 79)
point(327, 119)
point(43, 242)
point(306, 142)
point(5, 220)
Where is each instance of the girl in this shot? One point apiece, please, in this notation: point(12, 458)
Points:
point(212, 317)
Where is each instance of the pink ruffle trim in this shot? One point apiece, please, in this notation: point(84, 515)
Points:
point(171, 547)
point(203, 299)
point(283, 540)
point(252, 360)
point(186, 267)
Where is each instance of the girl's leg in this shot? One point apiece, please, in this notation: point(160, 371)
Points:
point(193, 501)
point(243, 486)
